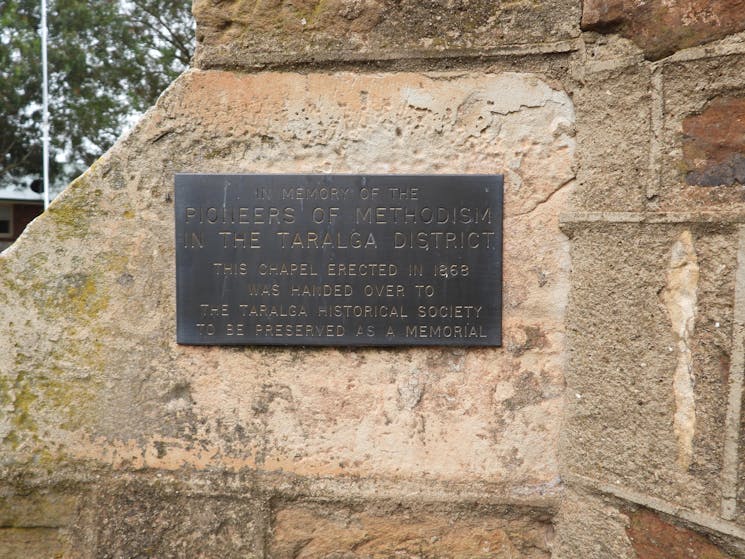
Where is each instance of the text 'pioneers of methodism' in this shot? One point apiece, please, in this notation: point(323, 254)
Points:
point(357, 260)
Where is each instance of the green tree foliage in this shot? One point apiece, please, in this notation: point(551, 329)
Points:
point(108, 61)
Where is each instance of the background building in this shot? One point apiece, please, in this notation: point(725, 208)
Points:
point(18, 207)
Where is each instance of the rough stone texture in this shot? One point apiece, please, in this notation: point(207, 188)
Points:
point(244, 33)
point(714, 143)
point(93, 375)
point(701, 134)
point(591, 527)
point(136, 519)
point(314, 532)
point(40, 509)
point(654, 538)
point(613, 125)
point(629, 421)
point(33, 542)
point(652, 349)
point(312, 412)
point(661, 27)
point(35, 524)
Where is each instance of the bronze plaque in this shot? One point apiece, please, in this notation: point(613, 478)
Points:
point(342, 260)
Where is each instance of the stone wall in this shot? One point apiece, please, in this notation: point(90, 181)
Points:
point(609, 423)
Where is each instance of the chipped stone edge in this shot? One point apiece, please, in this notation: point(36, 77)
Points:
point(705, 521)
point(730, 45)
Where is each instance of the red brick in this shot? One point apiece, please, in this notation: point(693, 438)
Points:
point(714, 144)
point(653, 538)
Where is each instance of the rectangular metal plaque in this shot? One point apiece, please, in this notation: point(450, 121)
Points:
point(344, 260)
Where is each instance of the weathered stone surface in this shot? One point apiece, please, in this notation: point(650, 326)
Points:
point(699, 145)
point(614, 138)
point(661, 27)
point(654, 538)
point(245, 33)
point(38, 509)
point(714, 143)
point(19, 543)
point(34, 523)
point(314, 532)
point(589, 526)
point(647, 388)
point(151, 519)
point(93, 371)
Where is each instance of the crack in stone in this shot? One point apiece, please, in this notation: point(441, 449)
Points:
point(544, 200)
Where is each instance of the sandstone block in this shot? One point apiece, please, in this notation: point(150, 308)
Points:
point(148, 519)
point(38, 509)
point(590, 526)
point(614, 131)
point(326, 531)
point(93, 371)
point(18, 543)
point(35, 523)
point(651, 324)
point(246, 33)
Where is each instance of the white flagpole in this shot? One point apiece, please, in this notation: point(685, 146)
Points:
point(45, 102)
